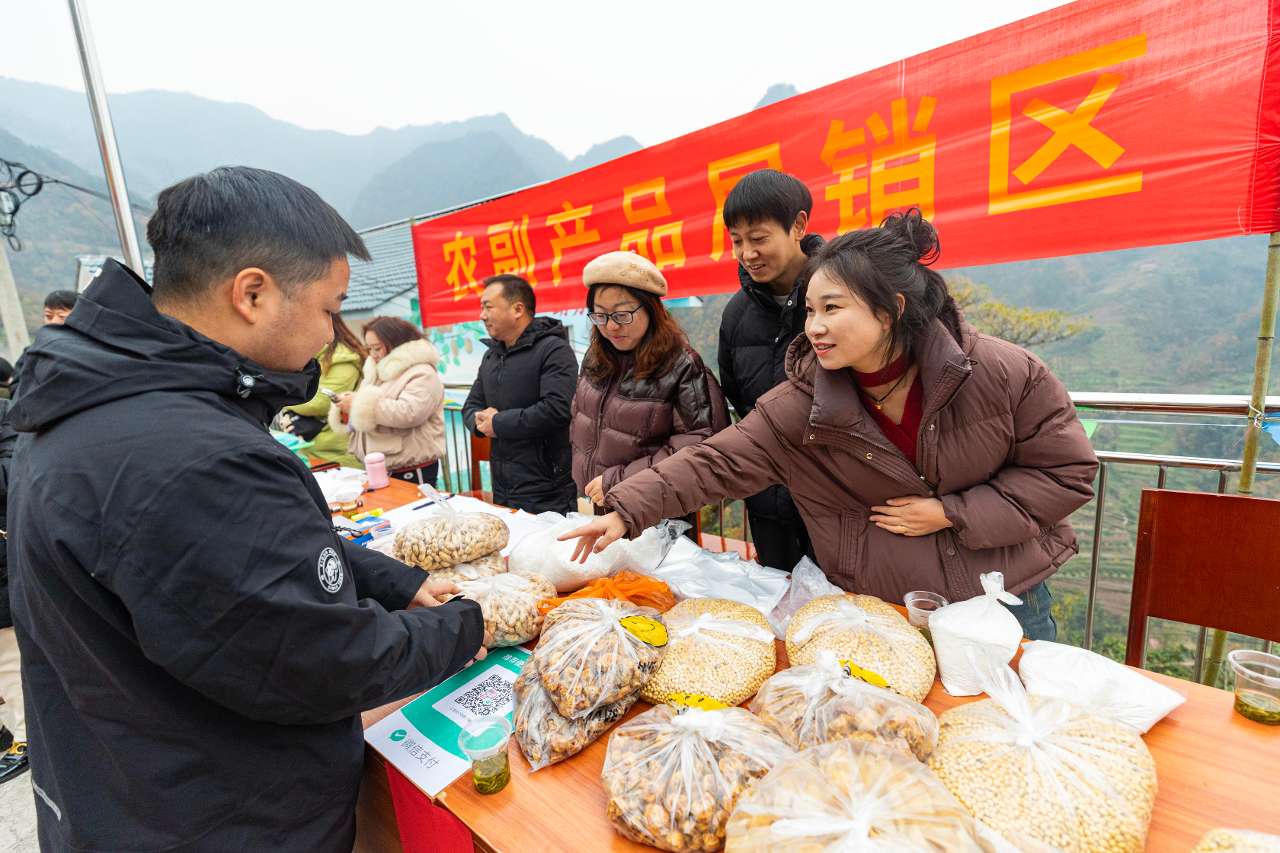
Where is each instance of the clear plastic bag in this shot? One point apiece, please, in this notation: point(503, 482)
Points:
point(448, 537)
point(589, 657)
point(703, 574)
point(672, 778)
point(981, 625)
point(848, 797)
point(544, 734)
point(864, 632)
point(542, 553)
point(1044, 772)
point(1106, 688)
point(1237, 841)
point(821, 702)
point(481, 567)
point(510, 605)
point(807, 583)
point(716, 648)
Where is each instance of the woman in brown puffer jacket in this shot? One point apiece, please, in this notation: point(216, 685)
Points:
point(920, 453)
point(643, 393)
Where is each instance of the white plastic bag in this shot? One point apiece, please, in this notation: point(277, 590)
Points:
point(1097, 684)
point(543, 554)
point(979, 626)
point(703, 574)
point(807, 583)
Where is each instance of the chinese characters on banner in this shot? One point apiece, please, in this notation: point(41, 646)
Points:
point(1088, 128)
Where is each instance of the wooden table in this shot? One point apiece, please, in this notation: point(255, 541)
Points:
point(1214, 768)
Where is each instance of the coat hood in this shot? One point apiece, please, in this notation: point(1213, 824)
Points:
point(116, 344)
point(400, 359)
point(540, 327)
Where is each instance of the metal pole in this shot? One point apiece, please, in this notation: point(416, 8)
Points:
point(106, 132)
point(15, 326)
point(1257, 405)
point(1099, 508)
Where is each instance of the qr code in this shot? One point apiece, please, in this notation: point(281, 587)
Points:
point(488, 697)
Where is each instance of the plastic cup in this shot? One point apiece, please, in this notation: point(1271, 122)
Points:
point(485, 743)
point(921, 605)
point(1257, 685)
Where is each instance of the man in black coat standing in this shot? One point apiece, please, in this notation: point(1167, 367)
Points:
point(197, 642)
point(767, 213)
point(521, 399)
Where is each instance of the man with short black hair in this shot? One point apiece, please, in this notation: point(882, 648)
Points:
point(58, 305)
point(767, 214)
point(522, 397)
point(197, 642)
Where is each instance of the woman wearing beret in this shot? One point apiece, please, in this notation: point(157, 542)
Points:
point(920, 452)
point(643, 392)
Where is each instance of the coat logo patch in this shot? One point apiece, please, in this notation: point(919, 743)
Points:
point(329, 568)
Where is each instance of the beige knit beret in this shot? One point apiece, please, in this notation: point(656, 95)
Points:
point(627, 269)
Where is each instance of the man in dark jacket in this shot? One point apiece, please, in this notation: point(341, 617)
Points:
point(13, 730)
point(521, 399)
point(767, 213)
point(197, 643)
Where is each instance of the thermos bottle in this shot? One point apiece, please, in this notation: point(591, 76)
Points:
point(375, 467)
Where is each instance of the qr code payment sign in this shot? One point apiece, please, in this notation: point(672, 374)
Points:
point(487, 696)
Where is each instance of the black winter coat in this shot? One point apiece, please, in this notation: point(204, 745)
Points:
point(531, 384)
point(754, 335)
point(7, 439)
point(197, 643)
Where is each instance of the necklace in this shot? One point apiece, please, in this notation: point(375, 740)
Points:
point(878, 402)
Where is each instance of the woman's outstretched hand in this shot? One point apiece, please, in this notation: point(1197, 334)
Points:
point(596, 536)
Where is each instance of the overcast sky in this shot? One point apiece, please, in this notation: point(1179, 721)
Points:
point(574, 73)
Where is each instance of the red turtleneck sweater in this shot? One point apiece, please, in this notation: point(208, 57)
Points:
point(903, 435)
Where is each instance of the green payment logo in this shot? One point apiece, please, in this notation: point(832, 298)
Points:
point(398, 735)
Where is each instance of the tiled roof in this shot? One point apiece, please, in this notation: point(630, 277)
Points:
point(390, 273)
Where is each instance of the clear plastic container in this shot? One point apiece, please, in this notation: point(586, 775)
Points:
point(1257, 685)
point(485, 743)
point(922, 604)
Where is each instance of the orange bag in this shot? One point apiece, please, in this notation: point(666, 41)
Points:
point(638, 589)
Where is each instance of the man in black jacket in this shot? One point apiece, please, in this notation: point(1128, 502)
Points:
point(767, 213)
point(521, 399)
point(197, 642)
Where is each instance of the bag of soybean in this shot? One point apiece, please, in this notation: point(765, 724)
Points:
point(980, 626)
point(715, 648)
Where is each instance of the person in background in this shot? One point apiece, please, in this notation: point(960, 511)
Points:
point(920, 452)
point(197, 643)
point(6, 377)
point(341, 363)
point(644, 392)
point(767, 213)
point(521, 399)
point(399, 407)
point(13, 728)
point(58, 305)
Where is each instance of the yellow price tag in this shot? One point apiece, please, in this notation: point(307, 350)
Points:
point(646, 629)
point(695, 700)
point(872, 678)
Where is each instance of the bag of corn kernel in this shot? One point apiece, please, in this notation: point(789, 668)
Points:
point(715, 648)
point(1045, 773)
point(594, 652)
point(822, 702)
point(672, 777)
point(1237, 841)
point(546, 737)
point(849, 796)
point(866, 634)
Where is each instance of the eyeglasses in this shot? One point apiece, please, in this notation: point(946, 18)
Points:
point(622, 318)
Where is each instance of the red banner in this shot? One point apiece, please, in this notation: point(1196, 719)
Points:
point(1095, 126)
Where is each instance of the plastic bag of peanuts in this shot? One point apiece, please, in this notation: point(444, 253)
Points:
point(1237, 841)
point(545, 736)
point(822, 702)
point(594, 652)
point(716, 648)
point(864, 632)
point(510, 605)
point(849, 796)
point(673, 777)
point(448, 538)
point(1044, 773)
point(481, 567)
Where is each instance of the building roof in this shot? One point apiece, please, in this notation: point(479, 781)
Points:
point(390, 273)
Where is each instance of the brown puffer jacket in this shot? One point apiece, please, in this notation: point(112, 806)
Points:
point(626, 425)
point(999, 444)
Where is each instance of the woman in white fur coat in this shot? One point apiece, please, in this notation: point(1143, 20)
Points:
point(398, 409)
